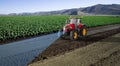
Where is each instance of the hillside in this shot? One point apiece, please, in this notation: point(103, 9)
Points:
point(113, 9)
point(100, 9)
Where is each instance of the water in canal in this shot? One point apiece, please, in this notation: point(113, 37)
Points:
point(20, 53)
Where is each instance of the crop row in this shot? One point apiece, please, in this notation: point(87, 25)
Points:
point(12, 27)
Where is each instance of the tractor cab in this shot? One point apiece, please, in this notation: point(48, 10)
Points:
point(73, 21)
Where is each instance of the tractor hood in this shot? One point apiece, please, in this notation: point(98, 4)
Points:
point(68, 27)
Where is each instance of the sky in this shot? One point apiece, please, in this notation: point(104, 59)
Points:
point(20, 6)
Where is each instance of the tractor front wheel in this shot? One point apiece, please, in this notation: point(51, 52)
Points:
point(74, 35)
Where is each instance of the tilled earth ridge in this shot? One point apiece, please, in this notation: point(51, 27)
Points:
point(105, 52)
point(60, 46)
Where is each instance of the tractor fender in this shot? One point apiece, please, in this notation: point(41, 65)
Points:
point(81, 25)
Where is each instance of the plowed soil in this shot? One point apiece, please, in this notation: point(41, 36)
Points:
point(60, 46)
point(105, 52)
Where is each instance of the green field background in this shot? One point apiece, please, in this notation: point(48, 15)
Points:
point(12, 27)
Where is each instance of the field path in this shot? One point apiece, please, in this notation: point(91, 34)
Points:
point(102, 53)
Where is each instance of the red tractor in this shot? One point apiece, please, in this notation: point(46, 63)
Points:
point(74, 29)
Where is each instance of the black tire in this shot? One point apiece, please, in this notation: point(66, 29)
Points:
point(74, 35)
point(83, 32)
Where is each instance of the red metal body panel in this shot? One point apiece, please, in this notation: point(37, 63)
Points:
point(70, 27)
point(80, 26)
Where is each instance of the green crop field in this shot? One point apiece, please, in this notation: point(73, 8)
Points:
point(12, 27)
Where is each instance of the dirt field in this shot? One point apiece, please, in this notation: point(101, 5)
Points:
point(60, 47)
point(105, 52)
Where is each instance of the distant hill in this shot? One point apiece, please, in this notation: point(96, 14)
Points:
point(113, 9)
point(60, 12)
point(100, 9)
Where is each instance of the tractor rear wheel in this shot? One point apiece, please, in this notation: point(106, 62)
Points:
point(83, 32)
point(74, 35)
